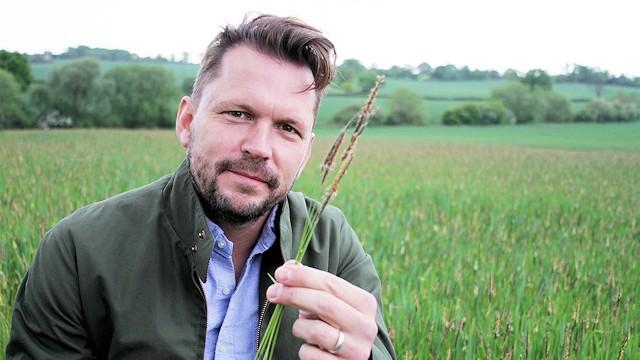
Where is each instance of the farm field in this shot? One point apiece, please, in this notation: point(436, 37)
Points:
point(497, 242)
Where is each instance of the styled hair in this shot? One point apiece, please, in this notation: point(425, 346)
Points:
point(284, 38)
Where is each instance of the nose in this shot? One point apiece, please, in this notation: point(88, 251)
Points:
point(257, 140)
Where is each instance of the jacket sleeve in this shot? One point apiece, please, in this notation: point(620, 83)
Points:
point(359, 270)
point(47, 319)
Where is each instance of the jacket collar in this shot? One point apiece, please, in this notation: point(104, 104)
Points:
point(187, 218)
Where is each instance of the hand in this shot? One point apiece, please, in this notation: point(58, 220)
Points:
point(328, 305)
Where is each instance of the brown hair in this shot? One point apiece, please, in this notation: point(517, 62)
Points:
point(284, 38)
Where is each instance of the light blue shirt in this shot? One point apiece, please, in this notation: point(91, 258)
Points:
point(232, 309)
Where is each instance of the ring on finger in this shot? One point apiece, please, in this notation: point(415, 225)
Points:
point(338, 344)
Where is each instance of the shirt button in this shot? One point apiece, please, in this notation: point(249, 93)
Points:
point(226, 291)
point(221, 244)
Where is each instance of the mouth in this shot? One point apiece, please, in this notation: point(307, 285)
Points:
point(254, 177)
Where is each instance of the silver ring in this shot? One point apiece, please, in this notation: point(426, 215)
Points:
point(338, 344)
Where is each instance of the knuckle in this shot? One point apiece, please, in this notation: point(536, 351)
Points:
point(332, 285)
point(371, 330)
point(371, 303)
point(315, 336)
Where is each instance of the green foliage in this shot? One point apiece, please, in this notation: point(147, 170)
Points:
point(619, 109)
point(537, 105)
point(345, 114)
point(493, 113)
point(76, 90)
point(13, 112)
point(18, 65)
point(187, 85)
point(143, 96)
point(353, 77)
point(537, 79)
point(405, 108)
point(558, 108)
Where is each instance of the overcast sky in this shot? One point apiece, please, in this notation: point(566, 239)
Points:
point(483, 34)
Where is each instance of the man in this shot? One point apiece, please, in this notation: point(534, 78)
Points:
point(178, 268)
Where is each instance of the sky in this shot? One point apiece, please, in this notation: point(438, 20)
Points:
point(483, 34)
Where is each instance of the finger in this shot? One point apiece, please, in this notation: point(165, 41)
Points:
point(311, 352)
point(316, 332)
point(291, 274)
point(307, 315)
point(325, 305)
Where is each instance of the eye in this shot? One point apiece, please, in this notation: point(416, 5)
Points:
point(288, 128)
point(238, 114)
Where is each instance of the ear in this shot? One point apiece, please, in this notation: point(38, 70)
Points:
point(306, 156)
point(184, 119)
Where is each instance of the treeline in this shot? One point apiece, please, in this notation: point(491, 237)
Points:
point(77, 94)
point(354, 77)
point(80, 52)
point(530, 100)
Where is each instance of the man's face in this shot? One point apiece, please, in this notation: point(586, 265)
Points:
point(250, 135)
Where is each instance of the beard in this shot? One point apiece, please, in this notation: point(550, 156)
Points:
point(221, 206)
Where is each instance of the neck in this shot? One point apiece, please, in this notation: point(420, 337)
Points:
point(243, 235)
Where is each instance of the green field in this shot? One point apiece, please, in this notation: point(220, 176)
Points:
point(501, 242)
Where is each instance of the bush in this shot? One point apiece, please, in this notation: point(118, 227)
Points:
point(405, 108)
point(557, 109)
point(13, 110)
point(143, 96)
point(476, 114)
point(613, 110)
point(533, 105)
point(345, 114)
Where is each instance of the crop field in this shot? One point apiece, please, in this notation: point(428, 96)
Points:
point(501, 242)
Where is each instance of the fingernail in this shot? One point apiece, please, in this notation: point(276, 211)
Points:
point(282, 274)
point(274, 291)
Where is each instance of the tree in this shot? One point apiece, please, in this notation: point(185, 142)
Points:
point(76, 90)
point(446, 72)
point(492, 113)
point(18, 66)
point(405, 108)
point(187, 85)
point(511, 74)
point(12, 105)
point(143, 96)
point(347, 74)
point(424, 71)
point(535, 105)
point(537, 78)
point(366, 80)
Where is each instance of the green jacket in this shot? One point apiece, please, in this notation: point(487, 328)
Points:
point(119, 279)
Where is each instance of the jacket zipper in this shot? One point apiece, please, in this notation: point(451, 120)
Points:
point(260, 320)
point(196, 281)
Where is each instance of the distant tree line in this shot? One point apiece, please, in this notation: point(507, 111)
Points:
point(80, 52)
point(77, 94)
point(354, 77)
point(532, 100)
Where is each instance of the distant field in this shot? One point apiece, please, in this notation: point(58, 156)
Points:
point(584, 137)
point(441, 95)
point(514, 242)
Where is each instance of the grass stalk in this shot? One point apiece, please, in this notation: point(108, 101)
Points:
point(267, 346)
